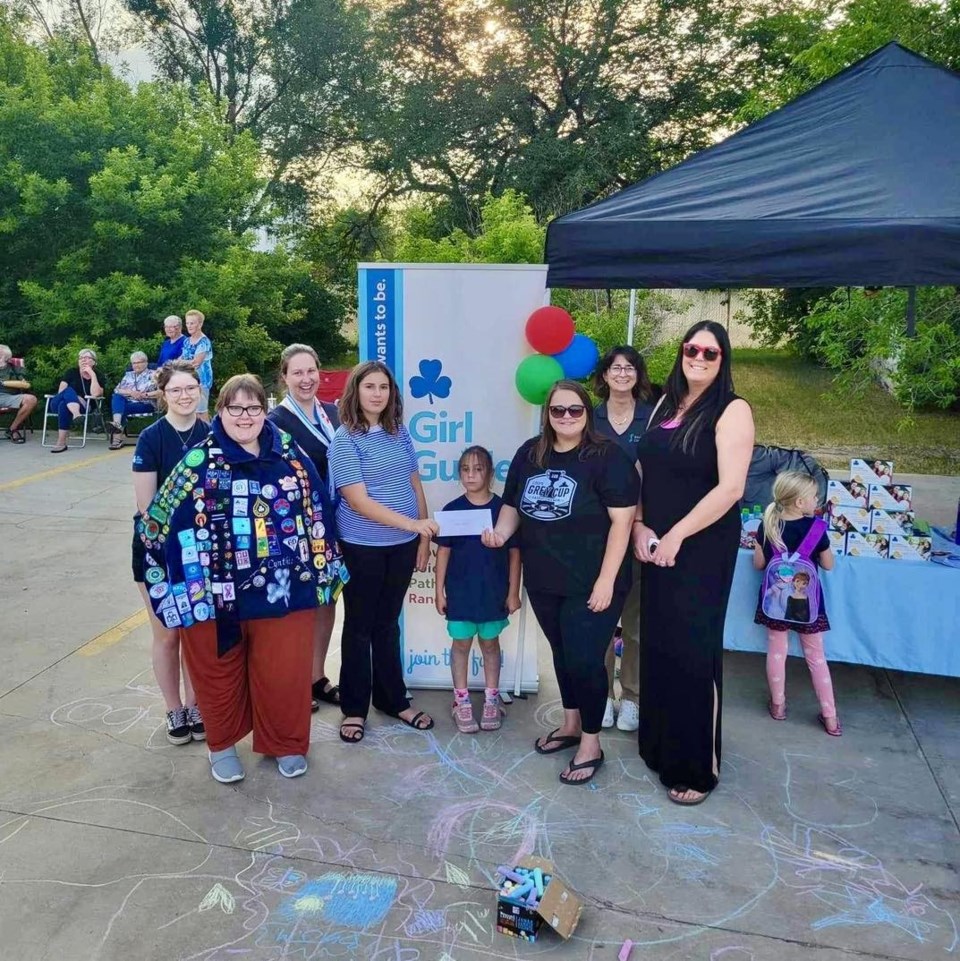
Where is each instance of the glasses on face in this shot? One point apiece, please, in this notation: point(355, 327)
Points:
point(695, 350)
point(235, 410)
point(180, 391)
point(574, 410)
point(626, 369)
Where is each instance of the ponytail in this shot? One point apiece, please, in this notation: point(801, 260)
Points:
point(773, 526)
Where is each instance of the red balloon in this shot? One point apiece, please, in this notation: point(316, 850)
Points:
point(550, 330)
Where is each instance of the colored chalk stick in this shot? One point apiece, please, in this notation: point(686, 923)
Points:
point(507, 873)
point(625, 950)
point(538, 880)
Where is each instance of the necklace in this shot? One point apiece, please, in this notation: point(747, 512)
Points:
point(185, 441)
point(620, 421)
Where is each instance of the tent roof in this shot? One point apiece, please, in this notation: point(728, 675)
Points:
point(856, 182)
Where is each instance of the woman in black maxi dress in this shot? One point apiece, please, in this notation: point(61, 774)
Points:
point(690, 502)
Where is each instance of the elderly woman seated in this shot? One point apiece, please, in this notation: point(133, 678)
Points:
point(135, 394)
point(78, 386)
point(13, 381)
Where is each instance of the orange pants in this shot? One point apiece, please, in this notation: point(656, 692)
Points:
point(261, 685)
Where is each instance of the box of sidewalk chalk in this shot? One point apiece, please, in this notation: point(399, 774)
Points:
point(867, 471)
point(531, 894)
point(910, 548)
point(897, 497)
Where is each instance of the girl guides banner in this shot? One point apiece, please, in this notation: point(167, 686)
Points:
point(453, 335)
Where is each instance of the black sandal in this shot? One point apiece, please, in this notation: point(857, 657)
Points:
point(58, 450)
point(596, 763)
point(352, 726)
point(16, 436)
point(682, 789)
point(320, 693)
point(413, 722)
point(564, 743)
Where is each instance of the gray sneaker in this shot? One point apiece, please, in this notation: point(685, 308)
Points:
point(178, 728)
point(195, 720)
point(225, 766)
point(292, 765)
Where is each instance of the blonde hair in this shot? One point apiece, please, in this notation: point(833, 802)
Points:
point(195, 313)
point(788, 488)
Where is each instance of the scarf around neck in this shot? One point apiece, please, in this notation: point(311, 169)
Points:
point(319, 425)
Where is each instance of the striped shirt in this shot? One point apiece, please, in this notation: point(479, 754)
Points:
point(383, 462)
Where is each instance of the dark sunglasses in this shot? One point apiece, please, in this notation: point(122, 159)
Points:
point(574, 410)
point(695, 350)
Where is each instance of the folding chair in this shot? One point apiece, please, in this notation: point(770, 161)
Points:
point(93, 409)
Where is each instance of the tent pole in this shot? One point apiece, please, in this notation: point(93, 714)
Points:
point(632, 317)
point(911, 311)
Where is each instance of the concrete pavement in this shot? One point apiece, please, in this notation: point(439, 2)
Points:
point(116, 845)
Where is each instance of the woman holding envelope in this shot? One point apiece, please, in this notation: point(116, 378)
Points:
point(384, 534)
point(572, 494)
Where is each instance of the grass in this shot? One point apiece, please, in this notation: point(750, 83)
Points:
point(795, 404)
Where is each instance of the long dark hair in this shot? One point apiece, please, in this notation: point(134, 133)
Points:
point(352, 417)
point(711, 403)
point(642, 388)
point(591, 442)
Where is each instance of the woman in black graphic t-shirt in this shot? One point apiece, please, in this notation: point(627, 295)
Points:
point(572, 494)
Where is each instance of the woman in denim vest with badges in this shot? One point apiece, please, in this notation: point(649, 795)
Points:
point(236, 546)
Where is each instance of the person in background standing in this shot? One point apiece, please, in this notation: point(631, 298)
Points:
point(312, 425)
point(199, 351)
point(172, 347)
point(627, 399)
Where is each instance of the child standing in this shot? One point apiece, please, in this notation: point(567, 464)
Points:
point(477, 588)
point(786, 523)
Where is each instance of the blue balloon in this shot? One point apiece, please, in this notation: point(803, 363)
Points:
point(580, 358)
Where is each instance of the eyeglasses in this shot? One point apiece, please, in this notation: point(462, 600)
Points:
point(695, 350)
point(622, 369)
point(235, 410)
point(574, 410)
point(180, 391)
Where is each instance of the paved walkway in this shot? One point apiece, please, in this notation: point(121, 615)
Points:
point(116, 845)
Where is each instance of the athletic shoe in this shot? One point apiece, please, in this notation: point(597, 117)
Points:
point(462, 712)
point(492, 712)
point(292, 765)
point(178, 727)
point(225, 766)
point(628, 719)
point(608, 714)
point(197, 731)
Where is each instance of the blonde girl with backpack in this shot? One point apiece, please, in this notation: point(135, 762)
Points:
point(792, 555)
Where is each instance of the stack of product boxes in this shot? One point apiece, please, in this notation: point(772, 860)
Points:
point(871, 516)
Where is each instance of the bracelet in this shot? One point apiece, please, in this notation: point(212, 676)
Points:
point(638, 521)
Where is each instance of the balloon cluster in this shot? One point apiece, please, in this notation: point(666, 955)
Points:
point(563, 353)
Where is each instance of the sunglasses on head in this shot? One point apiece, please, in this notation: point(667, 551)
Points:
point(695, 350)
point(574, 410)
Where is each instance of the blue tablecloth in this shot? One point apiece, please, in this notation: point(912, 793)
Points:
point(898, 614)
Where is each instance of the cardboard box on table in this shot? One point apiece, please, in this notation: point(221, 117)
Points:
point(897, 497)
point(868, 471)
point(892, 522)
point(910, 548)
point(848, 519)
point(867, 545)
point(846, 494)
point(838, 542)
point(559, 907)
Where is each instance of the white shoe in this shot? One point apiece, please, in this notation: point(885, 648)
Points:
point(628, 719)
point(608, 714)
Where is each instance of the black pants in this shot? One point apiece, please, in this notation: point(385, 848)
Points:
point(579, 639)
point(370, 648)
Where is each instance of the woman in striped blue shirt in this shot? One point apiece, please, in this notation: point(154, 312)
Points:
point(384, 535)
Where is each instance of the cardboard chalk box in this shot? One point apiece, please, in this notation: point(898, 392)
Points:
point(867, 545)
point(559, 907)
point(896, 497)
point(868, 471)
point(892, 522)
point(848, 519)
point(910, 548)
point(846, 494)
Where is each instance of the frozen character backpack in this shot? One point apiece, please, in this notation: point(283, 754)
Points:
point(791, 582)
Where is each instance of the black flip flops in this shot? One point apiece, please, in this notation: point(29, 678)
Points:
point(595, 763)
point(564, 743)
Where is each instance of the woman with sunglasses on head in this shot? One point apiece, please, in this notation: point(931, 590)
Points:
point(237, 557)
point(385, 533)
point(160, 447)
point(312, 425)
point(572, 495)
point(686, 533)
point(627, 399)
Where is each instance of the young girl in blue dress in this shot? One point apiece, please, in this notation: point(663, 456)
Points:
point(477, 588)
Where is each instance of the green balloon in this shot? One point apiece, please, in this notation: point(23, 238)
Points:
point(535, 376)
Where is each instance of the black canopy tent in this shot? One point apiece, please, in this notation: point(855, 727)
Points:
point(856, 182)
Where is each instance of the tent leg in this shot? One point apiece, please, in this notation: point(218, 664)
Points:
point(521, 643)
point(911, 311)
point(632, 317)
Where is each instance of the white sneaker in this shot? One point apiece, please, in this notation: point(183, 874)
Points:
point(608, 714)
point(628, 718)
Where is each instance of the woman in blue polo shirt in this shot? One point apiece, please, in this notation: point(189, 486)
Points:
point(384, 533)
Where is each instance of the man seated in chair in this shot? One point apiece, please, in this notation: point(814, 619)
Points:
point(135, 394)
point(15, 379)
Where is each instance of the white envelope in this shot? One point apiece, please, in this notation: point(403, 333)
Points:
point(464, 523)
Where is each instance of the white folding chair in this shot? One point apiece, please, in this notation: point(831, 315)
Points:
point(92, 403)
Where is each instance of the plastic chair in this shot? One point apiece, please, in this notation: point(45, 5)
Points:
point(93, 406)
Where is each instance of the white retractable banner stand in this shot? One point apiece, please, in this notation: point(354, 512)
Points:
point(453, 335)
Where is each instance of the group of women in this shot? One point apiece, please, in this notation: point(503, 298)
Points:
point(242, 553)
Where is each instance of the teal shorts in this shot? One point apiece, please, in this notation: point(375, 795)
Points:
point(468, 630)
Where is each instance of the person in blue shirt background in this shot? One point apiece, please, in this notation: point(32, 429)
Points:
point(477, 589)
point(198, 349)
point(172, 347)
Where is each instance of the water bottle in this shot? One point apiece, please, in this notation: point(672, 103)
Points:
point(757, 512)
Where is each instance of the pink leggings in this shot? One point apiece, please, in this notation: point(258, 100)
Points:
point(819, 669)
